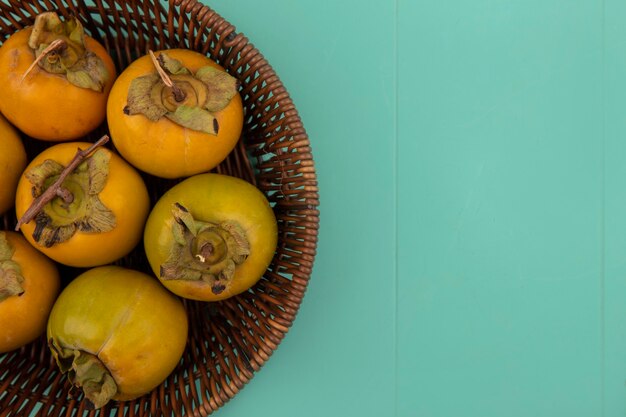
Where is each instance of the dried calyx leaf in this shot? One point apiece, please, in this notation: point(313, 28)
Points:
point(71, 58)
point(86, 371)
point(190, 100)
point(62, 217)
point(11, 278)
point(204, 251)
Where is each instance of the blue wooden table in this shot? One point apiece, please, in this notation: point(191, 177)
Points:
point(472, 159)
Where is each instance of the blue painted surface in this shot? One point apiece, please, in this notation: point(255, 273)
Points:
point(337, 60)
point(471, 161)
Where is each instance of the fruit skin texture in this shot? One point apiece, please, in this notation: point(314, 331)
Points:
point(128, 320)
point(164, 148)
point(124, 193)
point(46, 106)
point(214, 198)
point(12, 163)
point(23, 318)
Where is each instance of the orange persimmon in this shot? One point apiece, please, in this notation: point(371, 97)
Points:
point(29, 284)
point(176, 131)
point(12, 163)
point(99, 213)
point(63, 96)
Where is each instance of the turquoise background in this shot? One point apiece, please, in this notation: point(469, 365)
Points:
point(471, 161)
point(471, 157)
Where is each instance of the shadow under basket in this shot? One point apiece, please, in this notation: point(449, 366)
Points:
point(229, 340)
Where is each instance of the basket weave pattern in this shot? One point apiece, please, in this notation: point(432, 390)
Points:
point(230, 340)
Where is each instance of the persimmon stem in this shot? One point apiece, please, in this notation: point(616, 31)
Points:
point(179, 95)
point(56, 188)
point(58, 43)
point(65, 194)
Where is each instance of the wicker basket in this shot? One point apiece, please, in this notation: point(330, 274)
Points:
point(228, 341)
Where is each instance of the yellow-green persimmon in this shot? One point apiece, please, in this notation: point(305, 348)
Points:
point(210, 237)
point(117, 333)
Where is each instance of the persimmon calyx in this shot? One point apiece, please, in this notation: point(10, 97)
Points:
point(71, 58)
point(78, 207)
point(190, 100)
point(11, 278)
point(204, 251)
point(86, 371)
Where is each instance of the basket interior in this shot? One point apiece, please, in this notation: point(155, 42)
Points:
point(230, 340)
